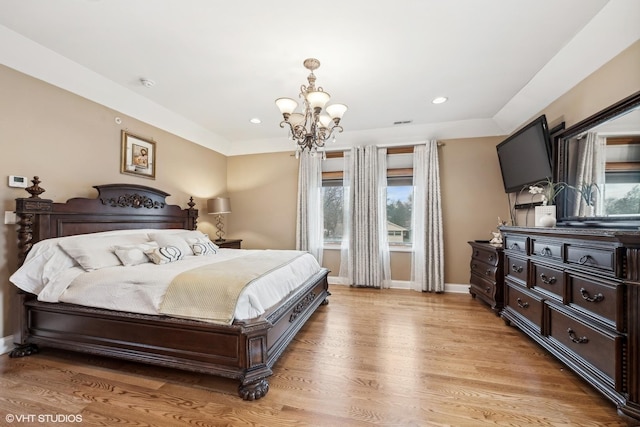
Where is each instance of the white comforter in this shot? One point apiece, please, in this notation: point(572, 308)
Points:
point(140, 289)
point(55, 276)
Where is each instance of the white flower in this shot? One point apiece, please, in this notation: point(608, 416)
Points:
point(535, 189)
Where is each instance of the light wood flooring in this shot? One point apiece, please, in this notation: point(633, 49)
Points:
point(370, 357)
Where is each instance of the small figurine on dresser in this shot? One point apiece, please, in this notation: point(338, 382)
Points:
point(497, 235)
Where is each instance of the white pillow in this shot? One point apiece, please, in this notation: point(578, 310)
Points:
point(95, 252)
point(203, 246)
point(179, 240)
point(44, 262)
point(165, 255)
point(130, 255)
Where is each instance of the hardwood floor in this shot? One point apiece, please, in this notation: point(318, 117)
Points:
point(370, 357)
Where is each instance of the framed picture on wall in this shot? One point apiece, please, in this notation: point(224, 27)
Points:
point(138, 156)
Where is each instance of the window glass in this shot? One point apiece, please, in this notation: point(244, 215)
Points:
point(399, 210)
point(332, 203)
point(622, 193)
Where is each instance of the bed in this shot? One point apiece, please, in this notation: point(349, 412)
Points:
point(243, 349)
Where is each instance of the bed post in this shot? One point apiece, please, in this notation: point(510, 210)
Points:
point(32, 213)
point(193, 215)
point(32, 219)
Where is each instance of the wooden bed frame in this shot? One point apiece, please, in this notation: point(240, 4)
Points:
point(244, 350)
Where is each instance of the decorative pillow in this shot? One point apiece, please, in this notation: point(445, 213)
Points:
point(95, 252)
point(131, 255)
point(165, 254)
point(203, 246)
point(179, 240)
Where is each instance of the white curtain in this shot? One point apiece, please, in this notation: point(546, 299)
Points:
point(309, 219)
point(365, 248)
point(590, 169)
point(427, 262)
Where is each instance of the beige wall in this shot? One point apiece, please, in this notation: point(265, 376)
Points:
point(73, 144)
point(263, 190)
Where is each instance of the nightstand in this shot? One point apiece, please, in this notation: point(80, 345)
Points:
point(487, 276)
point(229, 243)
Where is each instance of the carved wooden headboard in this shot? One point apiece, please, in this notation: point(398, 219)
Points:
point(117, 207)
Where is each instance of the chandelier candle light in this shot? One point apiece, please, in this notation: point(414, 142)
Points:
point(311, 128)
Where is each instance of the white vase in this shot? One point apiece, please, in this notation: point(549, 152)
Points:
point(547, 220)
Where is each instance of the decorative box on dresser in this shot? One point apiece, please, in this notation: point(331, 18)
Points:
point(486, 280)
point(576, 292)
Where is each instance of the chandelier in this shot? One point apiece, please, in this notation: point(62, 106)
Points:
point(313, 127)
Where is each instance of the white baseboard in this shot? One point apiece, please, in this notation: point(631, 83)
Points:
point(6, 344)
point(453, 288)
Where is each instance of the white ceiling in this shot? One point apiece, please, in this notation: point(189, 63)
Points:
point(217, 64)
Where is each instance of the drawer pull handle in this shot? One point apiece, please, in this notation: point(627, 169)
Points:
point(474, 266)
point(575, 339)
point(476, 252)
point(488, 272)
point(585, 294)
point(488, 289)
point(546, 251)
point(517, 268)
point(547, 280)
point(490, 258)
point(514, 246)
point(583, 259)
point(522, 304)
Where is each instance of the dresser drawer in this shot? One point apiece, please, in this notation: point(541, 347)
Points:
point(487, 256)
point(516, 269)
point(599, 258)
point(527, 305)
point(482, 286)
point(548, 249)
point(599, 298)
point(481, 269)
point(548, 280)
point(516, 243)
point(599, 348)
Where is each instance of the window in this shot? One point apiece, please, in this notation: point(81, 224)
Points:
point(622, 176)
point(622, 193)
point(399, 209)
point(332, 205)
point(399, 196)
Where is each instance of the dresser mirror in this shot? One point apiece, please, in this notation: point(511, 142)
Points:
point(599, 158)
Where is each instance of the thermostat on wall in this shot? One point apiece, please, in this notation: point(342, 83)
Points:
point(18, 181)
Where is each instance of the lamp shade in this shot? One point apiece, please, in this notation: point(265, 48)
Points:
point(286, 105)
point(317, 99)
point(219, 205)
point(336, 111)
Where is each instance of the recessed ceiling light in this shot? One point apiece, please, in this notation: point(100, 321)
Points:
point(439, 100)
point(255, 120)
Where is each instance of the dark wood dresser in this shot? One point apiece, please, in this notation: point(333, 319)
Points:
point(577, 293)
point(486, 281)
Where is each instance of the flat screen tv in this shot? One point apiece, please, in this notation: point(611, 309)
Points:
point(525, 156)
